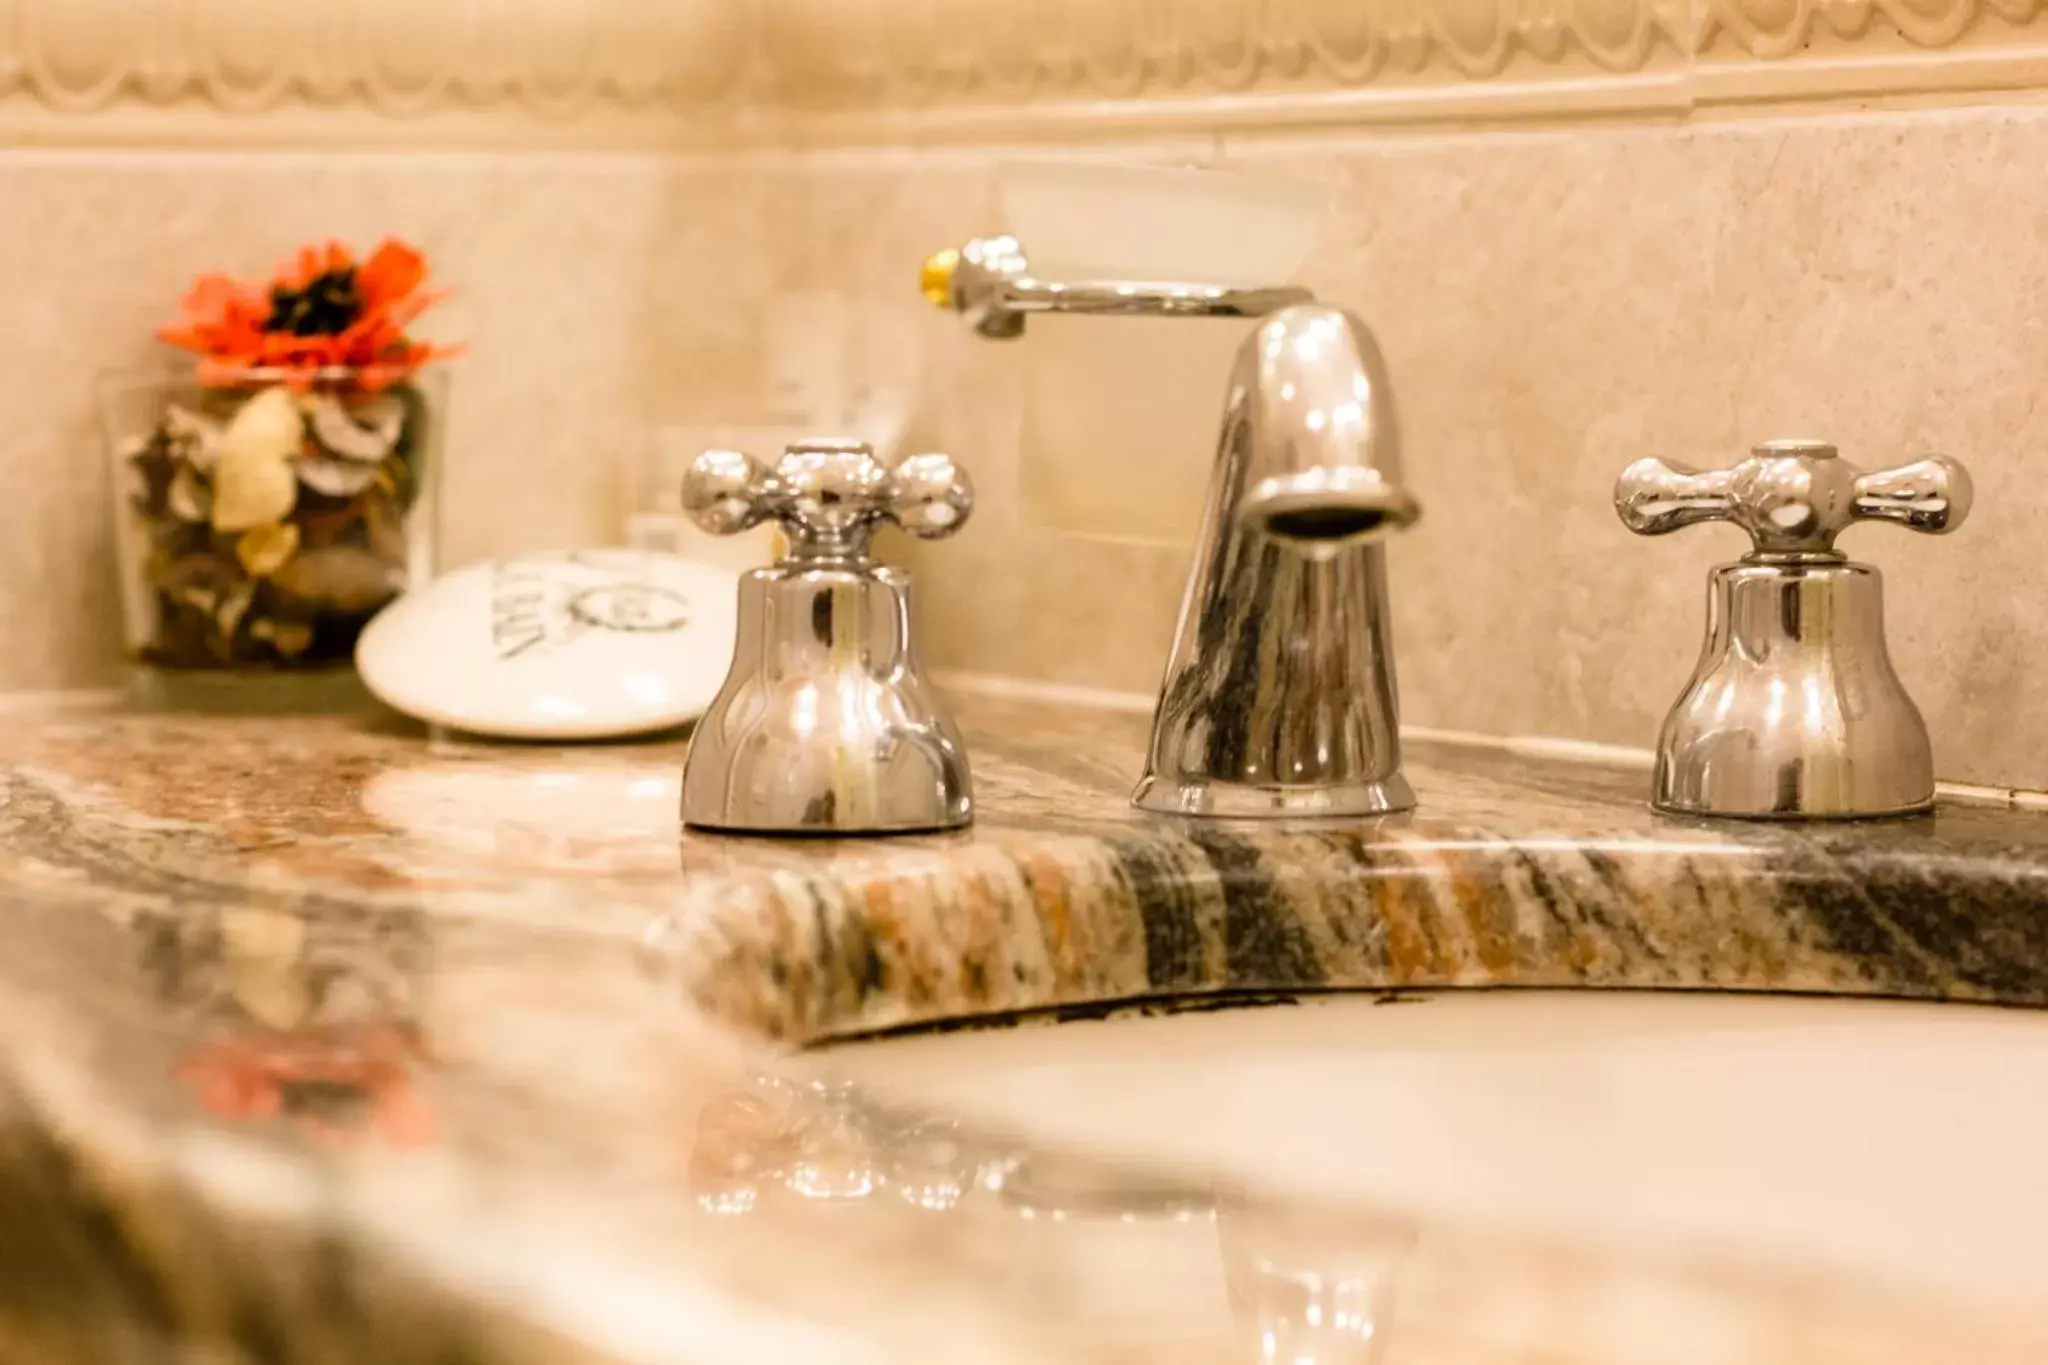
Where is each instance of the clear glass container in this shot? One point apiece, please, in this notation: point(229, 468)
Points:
point(260, 525)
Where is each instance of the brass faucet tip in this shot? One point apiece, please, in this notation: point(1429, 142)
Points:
point(936, 279)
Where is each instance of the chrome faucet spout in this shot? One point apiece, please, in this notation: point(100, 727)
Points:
point(1309, 403)
point(1279, 697)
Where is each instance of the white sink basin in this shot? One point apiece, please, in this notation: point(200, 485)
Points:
point(1896, 1144)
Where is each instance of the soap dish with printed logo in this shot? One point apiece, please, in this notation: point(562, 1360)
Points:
point(593, 644)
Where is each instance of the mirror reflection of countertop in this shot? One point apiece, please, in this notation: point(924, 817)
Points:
point(324, 1039)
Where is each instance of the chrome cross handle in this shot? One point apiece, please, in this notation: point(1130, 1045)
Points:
point(1794, 497)
point(830, 496)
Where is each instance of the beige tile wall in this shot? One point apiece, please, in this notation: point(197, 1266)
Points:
point(1554, 304)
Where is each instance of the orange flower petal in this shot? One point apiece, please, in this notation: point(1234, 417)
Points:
point(225, 320)
point(393, 271)
point(185, 338)
point(365, 330)
point(213, 296)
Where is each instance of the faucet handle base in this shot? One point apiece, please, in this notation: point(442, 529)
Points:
point(826, 724)
point(1794, 712)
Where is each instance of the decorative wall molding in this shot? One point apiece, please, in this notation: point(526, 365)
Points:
point(965, 68)
point(714, 73)
point(1790, 29)
point(964, 51)
point(411, 72)
point(1795, 52)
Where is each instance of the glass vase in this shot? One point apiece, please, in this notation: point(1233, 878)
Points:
point(259, 525)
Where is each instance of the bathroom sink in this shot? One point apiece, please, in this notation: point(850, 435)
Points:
point(1896, 1144)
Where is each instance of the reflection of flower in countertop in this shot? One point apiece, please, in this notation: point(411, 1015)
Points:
point(339, 1086)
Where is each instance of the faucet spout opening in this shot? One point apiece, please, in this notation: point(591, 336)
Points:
point(1331, 515)
point(1328, 525)
point(1312, 417)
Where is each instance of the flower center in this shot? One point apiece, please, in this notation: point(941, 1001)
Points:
point(328, 305)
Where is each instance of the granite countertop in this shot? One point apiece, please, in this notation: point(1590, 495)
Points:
point(322, 1039)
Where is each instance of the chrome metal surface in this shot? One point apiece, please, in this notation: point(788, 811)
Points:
point(993, 288)
point(826, 724)
point(1279, 697)
point(1794, 711)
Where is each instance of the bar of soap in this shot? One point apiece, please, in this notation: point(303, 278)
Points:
point(584, 645)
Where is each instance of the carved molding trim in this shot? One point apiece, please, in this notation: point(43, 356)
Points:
point(1801, 51)
point(395, 71)
point(676, 73)
point(1790, 29)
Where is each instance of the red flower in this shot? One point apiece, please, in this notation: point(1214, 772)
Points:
point(322, 316)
